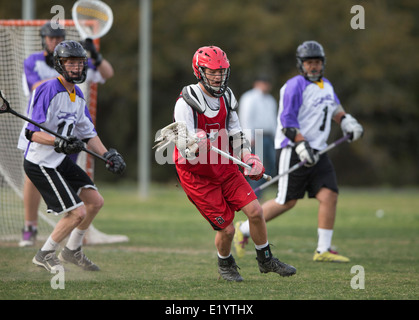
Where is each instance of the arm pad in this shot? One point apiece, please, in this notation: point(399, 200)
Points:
point(28, 134)
point(291, 133)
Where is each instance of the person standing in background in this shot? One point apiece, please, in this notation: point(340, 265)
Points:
point(257, 114)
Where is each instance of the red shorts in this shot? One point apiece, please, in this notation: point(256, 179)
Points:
point(217, 199)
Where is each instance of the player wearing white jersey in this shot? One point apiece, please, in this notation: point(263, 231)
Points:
point(307, 106)
point(38, 68)
point(59, 105)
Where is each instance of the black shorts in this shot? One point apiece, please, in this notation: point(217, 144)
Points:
point(59, 186)
point(305, 179)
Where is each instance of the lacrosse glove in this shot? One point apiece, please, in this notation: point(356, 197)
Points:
point(70, 146)
point(305, 153)
point(204, 144)
point(257, 170)
point(349, 125)
point(116, 163)
point(88, 45)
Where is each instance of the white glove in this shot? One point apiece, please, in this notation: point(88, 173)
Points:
point(349, 125)
point(305, 153)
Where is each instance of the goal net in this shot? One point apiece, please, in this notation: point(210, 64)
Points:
point(19, 39)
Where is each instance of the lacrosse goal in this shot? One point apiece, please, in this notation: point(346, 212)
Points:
point(19, 39)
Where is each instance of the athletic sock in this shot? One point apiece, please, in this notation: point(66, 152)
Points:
point(76, 239)
point(325, 239)
point(50, 245)
point(223, 257)
point(32, 224)
point(263, 252)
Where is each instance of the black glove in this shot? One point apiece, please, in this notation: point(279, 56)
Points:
point(73, 145)
point(94, 54)
point(116, 163)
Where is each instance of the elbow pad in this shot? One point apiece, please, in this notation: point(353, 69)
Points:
point(291, 133)
point(29, 134)
point(239, 142)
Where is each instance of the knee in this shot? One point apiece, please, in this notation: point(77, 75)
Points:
point(98, 203)
point(230, 230)
point(255, 212)
point(95, 204)
point(328, 196)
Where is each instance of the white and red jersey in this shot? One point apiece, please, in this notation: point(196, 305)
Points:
point(219, 122)
point(212, 183)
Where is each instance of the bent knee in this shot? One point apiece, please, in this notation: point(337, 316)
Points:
point(229, 230)
point(327, 196)
point(98, 202)
point(94, 202)
point(254, 211)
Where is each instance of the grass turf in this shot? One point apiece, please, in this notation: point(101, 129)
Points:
point(171, 253)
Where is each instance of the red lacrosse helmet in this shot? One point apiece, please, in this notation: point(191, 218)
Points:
point(214, 58)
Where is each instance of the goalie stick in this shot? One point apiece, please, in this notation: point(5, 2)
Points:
point(5, 107)
point(300, 164)
point(177, 132)
point(92, 10)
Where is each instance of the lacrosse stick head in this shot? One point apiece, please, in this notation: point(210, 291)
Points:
point(4, 104)
point(84, 11)
point(177, 132)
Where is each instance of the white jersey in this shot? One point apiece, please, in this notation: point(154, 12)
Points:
point(308, 106)
point(36, 69)
point(55, 108)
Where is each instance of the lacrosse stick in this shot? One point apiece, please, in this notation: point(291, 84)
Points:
point(88, 10)
point(187, 143)
point(5, 107)
point(300, 164)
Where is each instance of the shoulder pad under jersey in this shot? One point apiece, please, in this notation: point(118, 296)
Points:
point(232, 101)
point(193, 96)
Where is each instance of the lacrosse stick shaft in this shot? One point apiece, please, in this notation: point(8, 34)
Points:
point(55, 134)
point(237, 161)
point(302, 163)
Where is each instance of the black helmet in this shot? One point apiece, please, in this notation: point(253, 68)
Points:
point(51, 30)
point(310, 50)
point(66, 50)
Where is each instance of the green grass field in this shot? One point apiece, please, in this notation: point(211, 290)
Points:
point(171, 253)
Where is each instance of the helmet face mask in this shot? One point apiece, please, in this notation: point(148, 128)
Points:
point(310, 50)
point(73, 69)
point(215, 81)
point(70, 61)
point(212, 68)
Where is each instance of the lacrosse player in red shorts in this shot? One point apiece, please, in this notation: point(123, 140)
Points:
point(213, 183)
